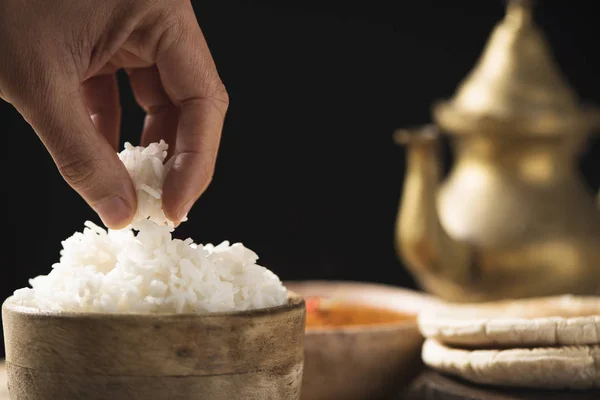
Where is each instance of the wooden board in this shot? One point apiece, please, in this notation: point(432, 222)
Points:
point(433, 386)
point(3, 388)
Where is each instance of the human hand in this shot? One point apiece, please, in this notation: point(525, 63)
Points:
point(58, 61)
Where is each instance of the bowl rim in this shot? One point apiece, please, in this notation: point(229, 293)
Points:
point(422, 297)
point(295, 301)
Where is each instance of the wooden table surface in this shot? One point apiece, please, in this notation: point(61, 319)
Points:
point(431, 385)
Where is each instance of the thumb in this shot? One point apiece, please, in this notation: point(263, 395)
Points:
point(84, 158)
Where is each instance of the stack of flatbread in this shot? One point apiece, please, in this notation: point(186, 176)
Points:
point(550, 342)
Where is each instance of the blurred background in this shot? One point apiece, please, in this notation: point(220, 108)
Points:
point(308, 175)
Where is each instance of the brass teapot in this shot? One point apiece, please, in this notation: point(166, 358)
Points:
point(513, 218)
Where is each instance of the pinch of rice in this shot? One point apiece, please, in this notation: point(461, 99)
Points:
point(148, 171)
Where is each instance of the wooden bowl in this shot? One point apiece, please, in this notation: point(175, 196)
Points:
point(363, 361)
point(255, 354)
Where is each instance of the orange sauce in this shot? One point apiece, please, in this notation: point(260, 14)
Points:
point(323, 314)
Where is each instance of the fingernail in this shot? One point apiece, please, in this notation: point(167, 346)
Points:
point(183, 211)
point(114, 212)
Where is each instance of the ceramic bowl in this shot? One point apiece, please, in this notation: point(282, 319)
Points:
point(362, 361)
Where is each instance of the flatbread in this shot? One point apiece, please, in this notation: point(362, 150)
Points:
point(569, 367)
point(546, 321)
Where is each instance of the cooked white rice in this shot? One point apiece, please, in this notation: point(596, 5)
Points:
point(148, 172)
point(150, 271)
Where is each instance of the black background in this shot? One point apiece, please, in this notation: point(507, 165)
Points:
point(307, 175)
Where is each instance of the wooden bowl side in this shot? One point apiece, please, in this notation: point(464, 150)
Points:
point(3, 382)
point(268, 384)
point(217, 356)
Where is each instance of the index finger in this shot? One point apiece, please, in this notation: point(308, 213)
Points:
point(190, 79)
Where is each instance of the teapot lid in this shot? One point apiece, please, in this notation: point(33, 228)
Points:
point(516, 87)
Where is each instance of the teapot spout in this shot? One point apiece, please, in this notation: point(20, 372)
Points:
point(439, 263)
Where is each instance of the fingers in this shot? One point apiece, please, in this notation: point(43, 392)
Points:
point(162, 115)
point(190, 79)
point(85, 158)
point(101, 95)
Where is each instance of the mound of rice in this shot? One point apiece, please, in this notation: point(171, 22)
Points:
point(143, 269)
